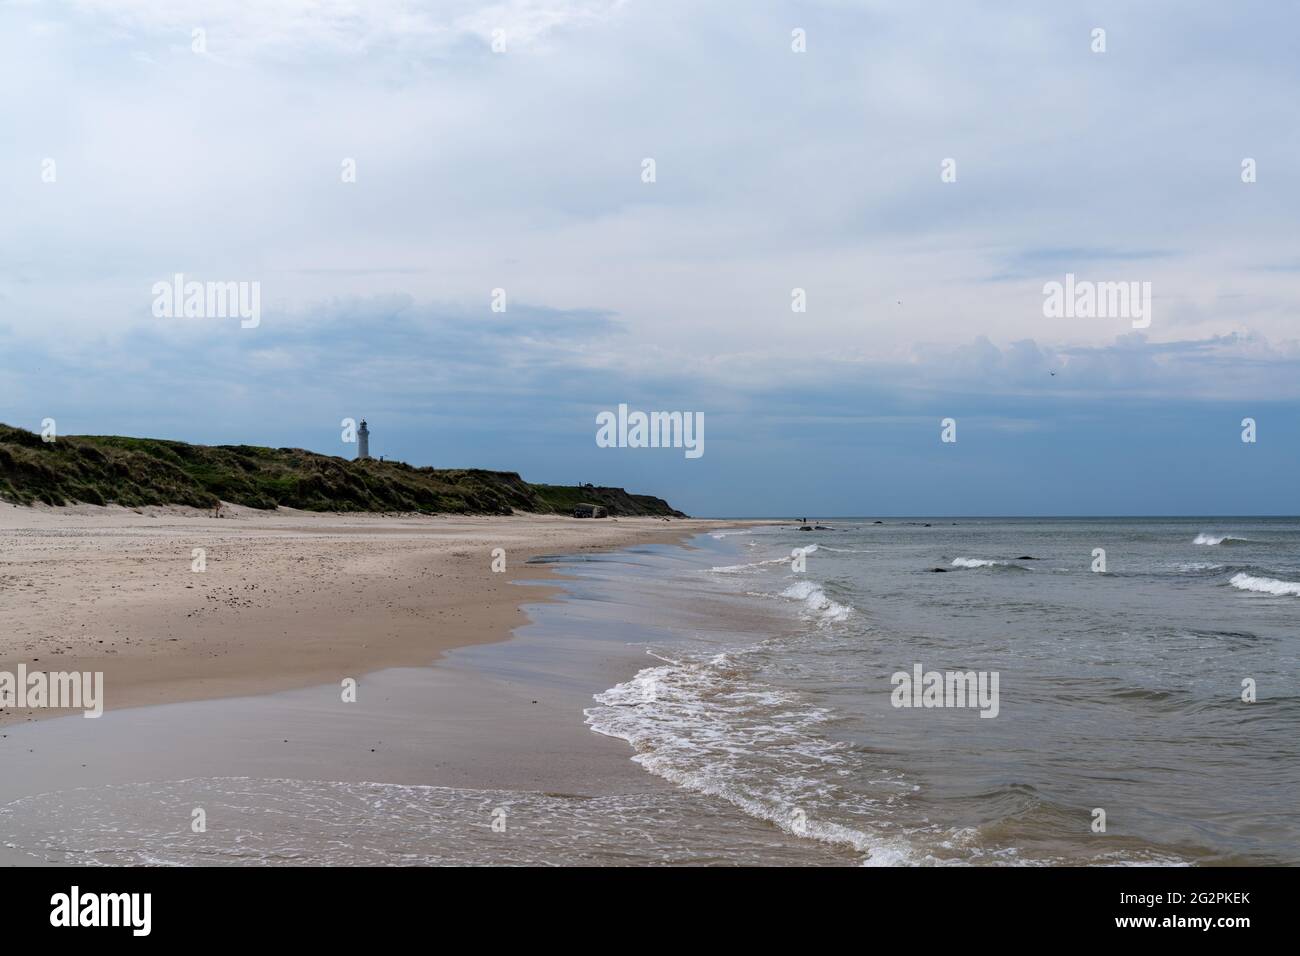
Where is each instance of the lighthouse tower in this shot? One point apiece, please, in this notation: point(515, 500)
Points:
point(363, 441)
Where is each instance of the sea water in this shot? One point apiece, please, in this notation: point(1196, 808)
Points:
point(1148, 713)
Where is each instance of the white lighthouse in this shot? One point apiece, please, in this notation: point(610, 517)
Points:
point(363, 441)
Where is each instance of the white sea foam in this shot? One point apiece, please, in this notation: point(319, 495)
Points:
point(1264, 585)
point(707, 727)
point(815, 599)
point(751, 566)
point(1204, 538)
point(329, 823)
point(977, 563)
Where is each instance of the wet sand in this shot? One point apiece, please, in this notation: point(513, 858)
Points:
point(287, 599)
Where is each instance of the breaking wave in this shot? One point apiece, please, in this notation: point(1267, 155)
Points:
point(1248, 582)
point(705, 726)
point(1211, 539)
point(741, 568)
point(753, 565)
point(815, 600)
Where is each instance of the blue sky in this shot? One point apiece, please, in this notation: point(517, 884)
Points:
point(775, 170)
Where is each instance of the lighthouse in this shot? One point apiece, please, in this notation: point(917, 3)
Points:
point(363, 441)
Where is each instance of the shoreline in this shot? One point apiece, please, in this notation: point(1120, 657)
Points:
point(674, 703)
point(414, 768)
point(287, 599)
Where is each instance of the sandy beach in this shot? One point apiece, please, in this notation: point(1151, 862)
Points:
point(286, 599)
point(223, 692)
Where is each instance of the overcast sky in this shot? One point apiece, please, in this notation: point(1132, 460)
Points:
point(127, 156)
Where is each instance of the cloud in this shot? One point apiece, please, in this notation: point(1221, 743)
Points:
point(775, 170)
point(296, 31)
point(1228, 367)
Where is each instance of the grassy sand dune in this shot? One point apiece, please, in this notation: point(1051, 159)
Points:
point(137, 472)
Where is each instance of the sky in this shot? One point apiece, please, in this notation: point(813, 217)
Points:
point(919, 170)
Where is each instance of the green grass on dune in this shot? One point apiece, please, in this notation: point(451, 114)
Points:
point(104, 469)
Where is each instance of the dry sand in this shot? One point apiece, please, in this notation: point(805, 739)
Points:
point(288, 599)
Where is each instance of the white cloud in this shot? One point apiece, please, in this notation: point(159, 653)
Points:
point(776, 170)
point(241, 30)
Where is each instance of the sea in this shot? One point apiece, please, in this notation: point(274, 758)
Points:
point(1148, 686)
